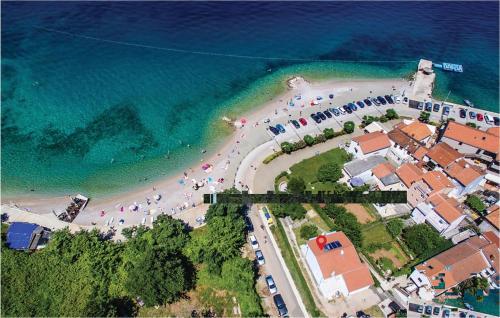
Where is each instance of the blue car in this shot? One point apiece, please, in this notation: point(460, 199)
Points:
point(274, 130)
point(352, 106)
point(280, 128)
point(360, 104)
point(446, 110)
point(347, 109)
point(367, 102)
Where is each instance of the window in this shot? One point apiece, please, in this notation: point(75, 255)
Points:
point(460, 143)
point(419, 279)
point(478, 151)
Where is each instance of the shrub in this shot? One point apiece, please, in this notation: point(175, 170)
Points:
point(296, 185)
point(309, 140)
point(271, 157)
point(391, 114)
point(328, 133)
point(383, 119)
point(320, 138)
point(395, 226)
point(287, 147)
point(308, 231)
point(422, 239)
point(294, 210)
point(473, 125)
point(424, 116)
point(475, 203)
point(349, 127)
point(330, 172)
point(300, 144)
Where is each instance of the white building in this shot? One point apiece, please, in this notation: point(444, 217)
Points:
point(336, 269)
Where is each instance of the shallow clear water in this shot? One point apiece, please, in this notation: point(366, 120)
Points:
point(72, 103)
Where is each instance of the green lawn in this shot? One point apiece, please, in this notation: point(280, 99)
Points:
point(308, 168)
point(375, 233)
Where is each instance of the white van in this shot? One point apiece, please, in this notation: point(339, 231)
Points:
point(488, 119)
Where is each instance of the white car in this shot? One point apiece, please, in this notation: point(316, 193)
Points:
point(271, 285)
point(343, 112)
point(397, 99)
point(253, 242)
point(260, 257)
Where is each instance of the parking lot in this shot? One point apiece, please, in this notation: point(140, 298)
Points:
point(437, 310)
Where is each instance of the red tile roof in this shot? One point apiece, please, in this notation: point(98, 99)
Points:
point(471, 136)
point(464, 172)
point(409, 173)
point(383, 169)
point(372, 142)
point(417, 130)
point(443, 154)
point(342, 261)
point(446, 207)
point(437, 180)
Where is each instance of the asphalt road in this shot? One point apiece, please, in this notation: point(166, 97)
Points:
point(273, 267)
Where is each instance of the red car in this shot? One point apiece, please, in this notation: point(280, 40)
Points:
point(479, 117)
point(303, 121)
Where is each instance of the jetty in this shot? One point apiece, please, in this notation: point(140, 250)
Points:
point(423, 84)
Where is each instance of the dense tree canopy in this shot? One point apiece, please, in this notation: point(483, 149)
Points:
point(345, 222)
point(330, 172)
point(395, 226)
point(296, 185)
point(349, 127)
point(422, 239)
point(294, 210)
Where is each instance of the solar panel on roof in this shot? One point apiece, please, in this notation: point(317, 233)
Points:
point(332, 245)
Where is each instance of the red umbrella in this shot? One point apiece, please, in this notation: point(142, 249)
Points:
point(243, 121)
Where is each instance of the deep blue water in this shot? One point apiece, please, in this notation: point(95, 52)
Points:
point(72, 103)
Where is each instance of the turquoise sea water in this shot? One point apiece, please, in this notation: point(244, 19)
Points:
point(489, 304)
point(73, 102)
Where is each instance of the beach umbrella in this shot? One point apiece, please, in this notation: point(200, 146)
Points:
point(157, 197)
point(205, 166)
point(331, 96)
point(210, 179)
point(243, 120)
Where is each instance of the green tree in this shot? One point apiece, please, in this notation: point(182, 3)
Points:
point(309, 140)
point(345, 222)
point(329, 172)
point(424, 116)
point(391, 114)
point(287, 147)
point(328, 133)
point(349, 127)
point(294, 210)
point(475, 203)
point(296, 185)
point(395, 226)
point(368, 120)
point(308, 231)
point(422, 239)
point(383, 119)
point(473, 286)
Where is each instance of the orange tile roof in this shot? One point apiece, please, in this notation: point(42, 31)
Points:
point(443, 154)
point(493, 238)
point(464, 172)
point(494, 131)
point(383, 169)
point(494, 218)
point(373, 141)
point(420, 153)
point(472, 136)
point(437, 180)
point(456, 264)
point(342, 261)
point(417, 130)
point(446, 207)
point(409, 173)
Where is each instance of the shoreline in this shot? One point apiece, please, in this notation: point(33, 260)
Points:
point(176, 190)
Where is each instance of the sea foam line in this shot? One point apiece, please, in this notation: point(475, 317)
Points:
point(216, 53)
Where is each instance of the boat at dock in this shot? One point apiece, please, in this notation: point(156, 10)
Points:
point(468, 103)
point(449, 67)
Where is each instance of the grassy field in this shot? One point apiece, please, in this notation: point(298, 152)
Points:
point(295, 270)
point(307, 169)
point(375, 233)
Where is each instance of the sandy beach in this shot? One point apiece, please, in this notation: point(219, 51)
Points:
point(176, 194)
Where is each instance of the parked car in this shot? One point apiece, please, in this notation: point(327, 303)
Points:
point(321, 115)
point(397, 99)
point(472, 115)
point(303, 121)
point(446, 313)
point(420, 309)
point(367, 102)
point(271, 285)
point(463, 113)
point(479, 117)
point(352, 106)
point(428, 106)
point(253, 242)
point(248, 224)
point(381, 100)
point(335, 111)
point(280, 128)
point(375, 101)
point(280, 305)
point(488, 119)
point(496, 120)
point(274, 130)
point(428, 310)
point(347, 109)
point(295, 123)
point(328, 114)
point(389, 99)
point(436, 311)
point(420, 106)
point(436, 107)
point(316, 118)
point(446, 110)
point(360, 104)
point(260, 257)
point(462, 314)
